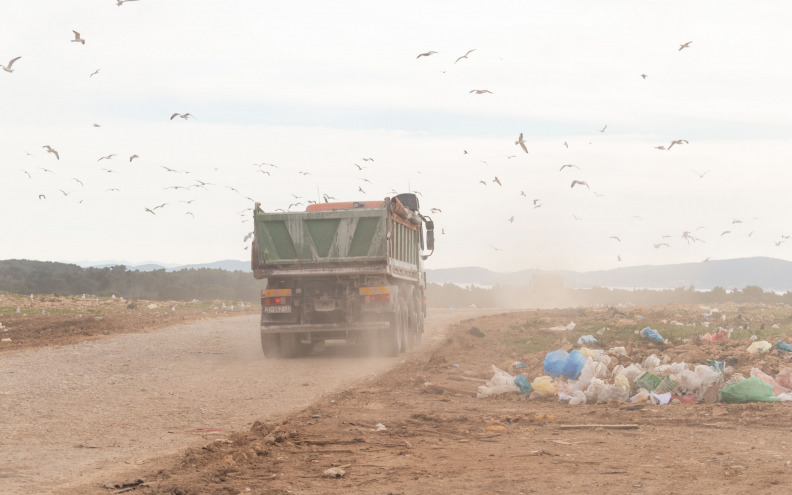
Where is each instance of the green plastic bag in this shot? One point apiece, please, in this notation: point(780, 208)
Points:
point(667, 385)
point(749, 390)
point(648, 381)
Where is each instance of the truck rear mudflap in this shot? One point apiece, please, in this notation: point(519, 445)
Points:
point(316, 328)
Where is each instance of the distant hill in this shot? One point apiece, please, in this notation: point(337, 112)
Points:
point(770, 274)
point(229, 265)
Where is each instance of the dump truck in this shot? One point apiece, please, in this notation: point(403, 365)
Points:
point(348, 271)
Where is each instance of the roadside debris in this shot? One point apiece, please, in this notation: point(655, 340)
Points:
point(590, 376)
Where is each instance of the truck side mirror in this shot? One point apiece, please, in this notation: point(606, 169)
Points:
point(430, 240)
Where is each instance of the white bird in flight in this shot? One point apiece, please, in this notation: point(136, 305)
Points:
point(426, 54)
point(521, 143)
point(77, 38)
point(50, 150)
point(582, 183)
point(480, 91)
point(8, 68)
point(185, 116)
point(465, 55)
point(684, 45)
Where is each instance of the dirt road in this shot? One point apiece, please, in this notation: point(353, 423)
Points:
point(84, 413)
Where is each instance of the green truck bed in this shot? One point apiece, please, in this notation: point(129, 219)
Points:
point(363, 239)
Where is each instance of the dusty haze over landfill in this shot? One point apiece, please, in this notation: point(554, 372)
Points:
point(314, 88)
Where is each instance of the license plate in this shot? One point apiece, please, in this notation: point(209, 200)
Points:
point(277, 309)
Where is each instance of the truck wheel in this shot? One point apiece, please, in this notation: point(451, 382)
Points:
point(291, 346)
point(390, 340)
point(270, 344)
point(419, 318)
point(411, 325)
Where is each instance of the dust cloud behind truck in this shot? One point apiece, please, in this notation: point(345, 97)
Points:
point(351, 271)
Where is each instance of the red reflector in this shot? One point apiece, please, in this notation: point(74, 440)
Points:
point(277, 300)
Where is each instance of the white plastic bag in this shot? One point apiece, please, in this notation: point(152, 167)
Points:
point(500, 383)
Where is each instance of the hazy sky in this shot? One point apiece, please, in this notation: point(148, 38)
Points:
point(315, 87)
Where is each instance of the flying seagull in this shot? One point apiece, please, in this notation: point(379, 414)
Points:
point(121, 2)
point(497, 181)
point(521, 143)
point(643, 76)
point(367, 159)
point(50, 150)
point(465, 55)
point(582, 183)
point(77, 38)
point(480, 91)
point(700, 174)
point(185, 116)
point(95, 72)
point(661, 147)
point(614, 237)
point(684, 45)
point(8, 68)
point(677, 141)
point(108, 157)
point(568, 165)
point(426, 54)
point(603, 129)
point(133, 157)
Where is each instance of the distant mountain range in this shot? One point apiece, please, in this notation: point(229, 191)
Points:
point(767, 273)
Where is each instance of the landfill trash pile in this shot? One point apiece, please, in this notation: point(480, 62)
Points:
point(677, 374)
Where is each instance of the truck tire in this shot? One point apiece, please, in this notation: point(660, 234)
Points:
point(391, 340)
point(291, 347)
point(411, 323)
point(270, 344)
point(419, 315)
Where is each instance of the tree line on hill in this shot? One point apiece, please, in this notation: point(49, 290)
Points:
point(543, 297)
point(45, 277)
point(64, 279)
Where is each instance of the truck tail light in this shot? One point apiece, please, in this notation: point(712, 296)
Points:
point(276, 297)
point(374, 294)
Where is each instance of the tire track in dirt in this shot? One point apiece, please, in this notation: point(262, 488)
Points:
point(80, 414)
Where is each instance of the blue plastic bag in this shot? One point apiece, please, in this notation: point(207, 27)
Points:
point(560, 362)
point(782, 346)
point(574, 364)
point(522, 383)
point(649, 333)
point(554, 363)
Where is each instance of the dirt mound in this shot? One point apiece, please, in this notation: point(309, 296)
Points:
point(420, 429)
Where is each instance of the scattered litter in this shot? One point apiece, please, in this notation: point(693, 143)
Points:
point(749, 390)
point(780, 346)
point(518, 365)
point(335, 472)
point(759, 346)
point(380, 427)
point(650, 333)
point(586, 340)
point(560, 362)
point(660, 399)
point(542, 387)
point(571, 326)
point(500, 383)
point(619, 351)
point(523, 384)
point(722, 335)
